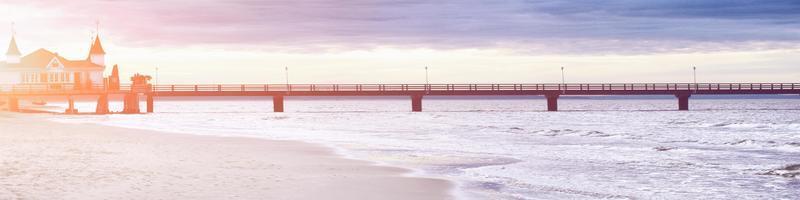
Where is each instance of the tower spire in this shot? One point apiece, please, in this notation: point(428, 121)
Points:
point(13, 54)
point(12, 48)
point(97, 48)
point(96, 52)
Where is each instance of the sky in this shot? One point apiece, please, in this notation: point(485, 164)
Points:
point(391, 41)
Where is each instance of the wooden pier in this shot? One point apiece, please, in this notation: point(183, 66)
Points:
point(416, 92)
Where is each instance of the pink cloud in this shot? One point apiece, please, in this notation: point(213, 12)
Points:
point(413, 23)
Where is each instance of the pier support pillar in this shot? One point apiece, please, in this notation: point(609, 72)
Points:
point(277, 103)
point(683, 101)
point(102, 105)
point(71, 109)
point(13, 104)
point(150, 104)
point(131, 104)
point(552, 102)
point(416, 103)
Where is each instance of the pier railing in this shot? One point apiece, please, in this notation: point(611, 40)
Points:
point(474, 87)
point(70, 89)
point(682, 91)
point(49, 88)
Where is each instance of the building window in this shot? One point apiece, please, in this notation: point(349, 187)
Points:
point(29, 77)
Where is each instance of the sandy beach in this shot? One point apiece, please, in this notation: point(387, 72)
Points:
point(48, 160)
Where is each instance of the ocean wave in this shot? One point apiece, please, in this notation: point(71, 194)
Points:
point(570, 191)
point(560, 132)
point(742, 142)
point(682, 122)
point(723, 124)
point(796, 144)
point(789, 126)
point(787, 146)
point(488, 127)
point(477, 162)
point(596, 134)
point(557, 132)
point(788, 171)
point(663, 148)
point(275, 118)
point(491, 186)
point(516, 129)
point(766, 143)
point(682, 141)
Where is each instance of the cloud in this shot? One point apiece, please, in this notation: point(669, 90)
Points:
point(606, 27)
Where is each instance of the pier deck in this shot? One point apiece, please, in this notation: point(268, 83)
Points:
point(682, 91)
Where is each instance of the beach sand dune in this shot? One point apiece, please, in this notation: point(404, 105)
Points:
point(47, 160)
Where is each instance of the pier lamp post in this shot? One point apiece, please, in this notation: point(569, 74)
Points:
point(427, 82)
point(694, 74)
point(155, 87)
point(286, 70)
point(563, 81)
point(426, 75)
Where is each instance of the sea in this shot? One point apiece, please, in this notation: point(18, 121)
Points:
point(511, 148)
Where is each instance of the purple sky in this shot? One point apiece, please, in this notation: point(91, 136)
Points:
point(515, 27)
point(557, 26)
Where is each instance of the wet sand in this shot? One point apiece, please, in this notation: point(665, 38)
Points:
point(47, 160)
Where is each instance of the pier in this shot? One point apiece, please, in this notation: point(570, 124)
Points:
point(415, 92)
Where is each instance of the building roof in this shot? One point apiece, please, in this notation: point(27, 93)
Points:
point(41, 58)
point(97, 48)
point(12, 48)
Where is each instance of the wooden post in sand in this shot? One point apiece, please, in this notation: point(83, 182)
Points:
point(13, 104)
point(71, 109)
point(102, 105)
point(150, 103)
point(131, 103)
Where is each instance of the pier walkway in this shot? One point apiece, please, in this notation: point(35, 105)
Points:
point(416, 92)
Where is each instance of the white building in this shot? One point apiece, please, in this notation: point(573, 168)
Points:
point(43, 67)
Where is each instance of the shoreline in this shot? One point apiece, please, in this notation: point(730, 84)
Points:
point(42, 159)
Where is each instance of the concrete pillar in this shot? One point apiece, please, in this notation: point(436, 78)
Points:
point(13, 104)
point(71, 109)
point(277, 103)
point(683, 101)
point(416, 103)
point(552, 102)
point(102, 105)
point(131, 103)
point(150, 103)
